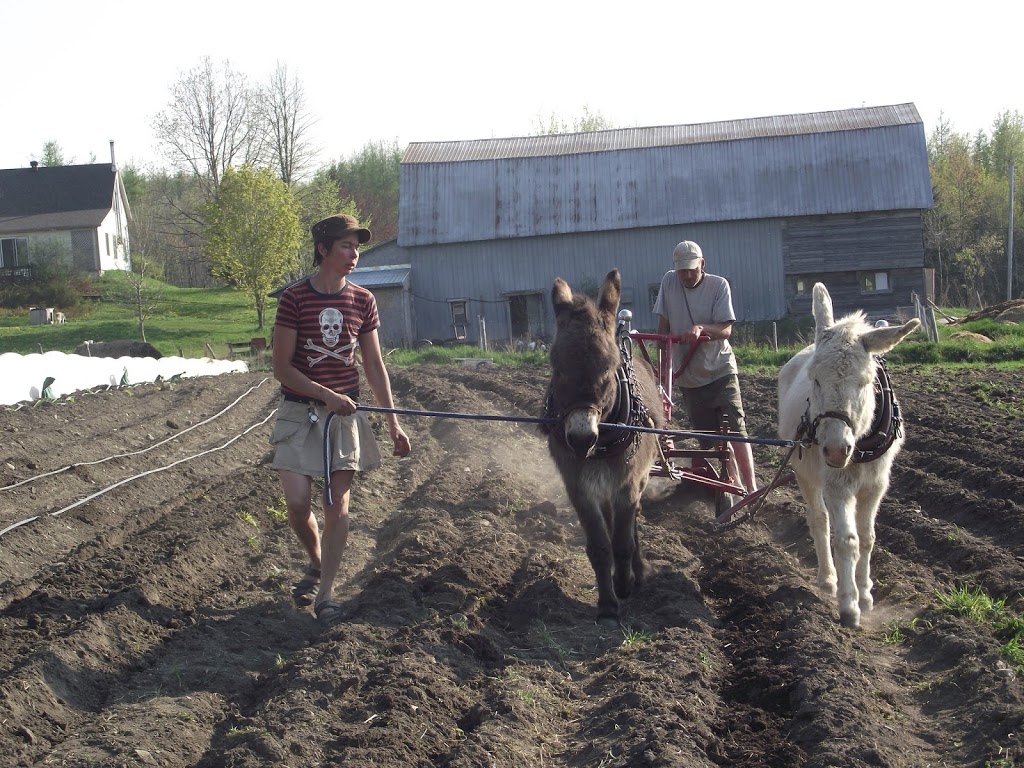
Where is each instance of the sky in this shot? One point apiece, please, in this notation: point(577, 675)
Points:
point(83, 74)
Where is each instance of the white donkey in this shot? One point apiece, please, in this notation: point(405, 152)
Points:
point(836, 393)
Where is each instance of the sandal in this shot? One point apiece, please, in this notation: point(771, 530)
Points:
point(304, 590)
point(329, 613)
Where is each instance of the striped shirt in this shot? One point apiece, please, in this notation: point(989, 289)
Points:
point(328, 326)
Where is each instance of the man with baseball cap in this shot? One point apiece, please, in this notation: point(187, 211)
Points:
point(692, 303)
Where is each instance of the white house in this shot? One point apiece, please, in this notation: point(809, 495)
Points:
point(75, 213)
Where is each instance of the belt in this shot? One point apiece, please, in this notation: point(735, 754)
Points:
point(299, 399)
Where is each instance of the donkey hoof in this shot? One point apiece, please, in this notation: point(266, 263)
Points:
point(850, 619)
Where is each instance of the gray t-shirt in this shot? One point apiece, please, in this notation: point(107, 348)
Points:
point(709, 302)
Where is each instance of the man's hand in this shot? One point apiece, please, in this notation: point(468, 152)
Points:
point(401, 441)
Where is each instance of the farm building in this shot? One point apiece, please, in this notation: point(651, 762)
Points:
point(77, 214)
point(776, 203)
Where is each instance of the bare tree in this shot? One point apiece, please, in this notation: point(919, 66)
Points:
point(213, 120)
point(288, 124)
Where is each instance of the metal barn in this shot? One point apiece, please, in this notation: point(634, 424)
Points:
point(776, 204)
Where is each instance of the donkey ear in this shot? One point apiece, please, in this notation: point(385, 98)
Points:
point(561, 296)
point(608, 299)
point(822, 310)
point(878, 341)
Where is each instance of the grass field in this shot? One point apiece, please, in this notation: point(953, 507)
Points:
point(193, 322)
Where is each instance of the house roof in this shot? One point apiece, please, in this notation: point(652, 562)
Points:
point(63, 196)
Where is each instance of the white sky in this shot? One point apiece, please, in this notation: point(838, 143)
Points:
point(82, 73)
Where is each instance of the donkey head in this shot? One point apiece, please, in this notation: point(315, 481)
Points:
point(584, 360)
point(842, 373)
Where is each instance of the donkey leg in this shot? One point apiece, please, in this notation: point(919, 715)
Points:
point(842, 515)
point(867, 509)
point(628, 561)
point(817, 522)
point(599, 552)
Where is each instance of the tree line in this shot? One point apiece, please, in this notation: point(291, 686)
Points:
point(234, 146)
point(966, 234)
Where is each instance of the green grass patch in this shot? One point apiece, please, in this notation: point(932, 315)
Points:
point(193, 321)
point(979, 607)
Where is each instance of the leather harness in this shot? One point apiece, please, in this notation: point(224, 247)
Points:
point(886, 427)
point(629, 408)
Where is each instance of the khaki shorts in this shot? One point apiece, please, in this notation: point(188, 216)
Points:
point(706, 404)
point(299, 443)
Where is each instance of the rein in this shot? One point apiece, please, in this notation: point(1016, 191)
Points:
point(886, 427)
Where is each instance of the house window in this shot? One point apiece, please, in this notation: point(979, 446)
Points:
point(460, 316)
point(874, 282)
point(14, 252)
point(108, 243)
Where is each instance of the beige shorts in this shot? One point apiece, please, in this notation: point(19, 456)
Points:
point(299, 442)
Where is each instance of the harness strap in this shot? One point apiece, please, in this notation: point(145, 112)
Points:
point(885, 428)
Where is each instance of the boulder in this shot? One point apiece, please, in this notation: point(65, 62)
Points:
point(118, 348)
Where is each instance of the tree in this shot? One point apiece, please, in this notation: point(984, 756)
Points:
point(590, 121)
point(142, 294)
point(318, 200)
point(370, 179)
point(288, 123)
point(213, 120)
point(53, 155)
point(252, 231)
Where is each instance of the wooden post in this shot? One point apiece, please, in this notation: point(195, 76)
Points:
point(209, 349)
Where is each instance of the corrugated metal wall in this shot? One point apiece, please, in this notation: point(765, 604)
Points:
point(749, 254)
point(872, 169)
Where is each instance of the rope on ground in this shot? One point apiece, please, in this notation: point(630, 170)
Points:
point(134, 453)
point(119, 483)
point(142, 474)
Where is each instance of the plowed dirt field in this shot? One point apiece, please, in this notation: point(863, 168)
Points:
point(145, 615)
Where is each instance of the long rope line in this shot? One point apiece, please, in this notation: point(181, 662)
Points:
point(133, 453)
point(614, 425)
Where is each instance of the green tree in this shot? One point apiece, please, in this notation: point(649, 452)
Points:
point(588, 122)
point(370, 179)
point(318, 200)
point(252, 232)
point(53, 155)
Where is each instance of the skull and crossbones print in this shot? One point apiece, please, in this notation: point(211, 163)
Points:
point(331, 322)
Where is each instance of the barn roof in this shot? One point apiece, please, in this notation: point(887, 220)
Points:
point(660, 136)
point(850, 161)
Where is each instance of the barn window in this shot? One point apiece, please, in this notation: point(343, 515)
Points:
point(460, 316)
point(652, 294)
point(874, 282)
point(801, 286)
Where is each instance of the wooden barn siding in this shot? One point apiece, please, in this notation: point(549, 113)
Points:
point(873, 169)
point(844, 288)
point(747, 253)
point(834, 249)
